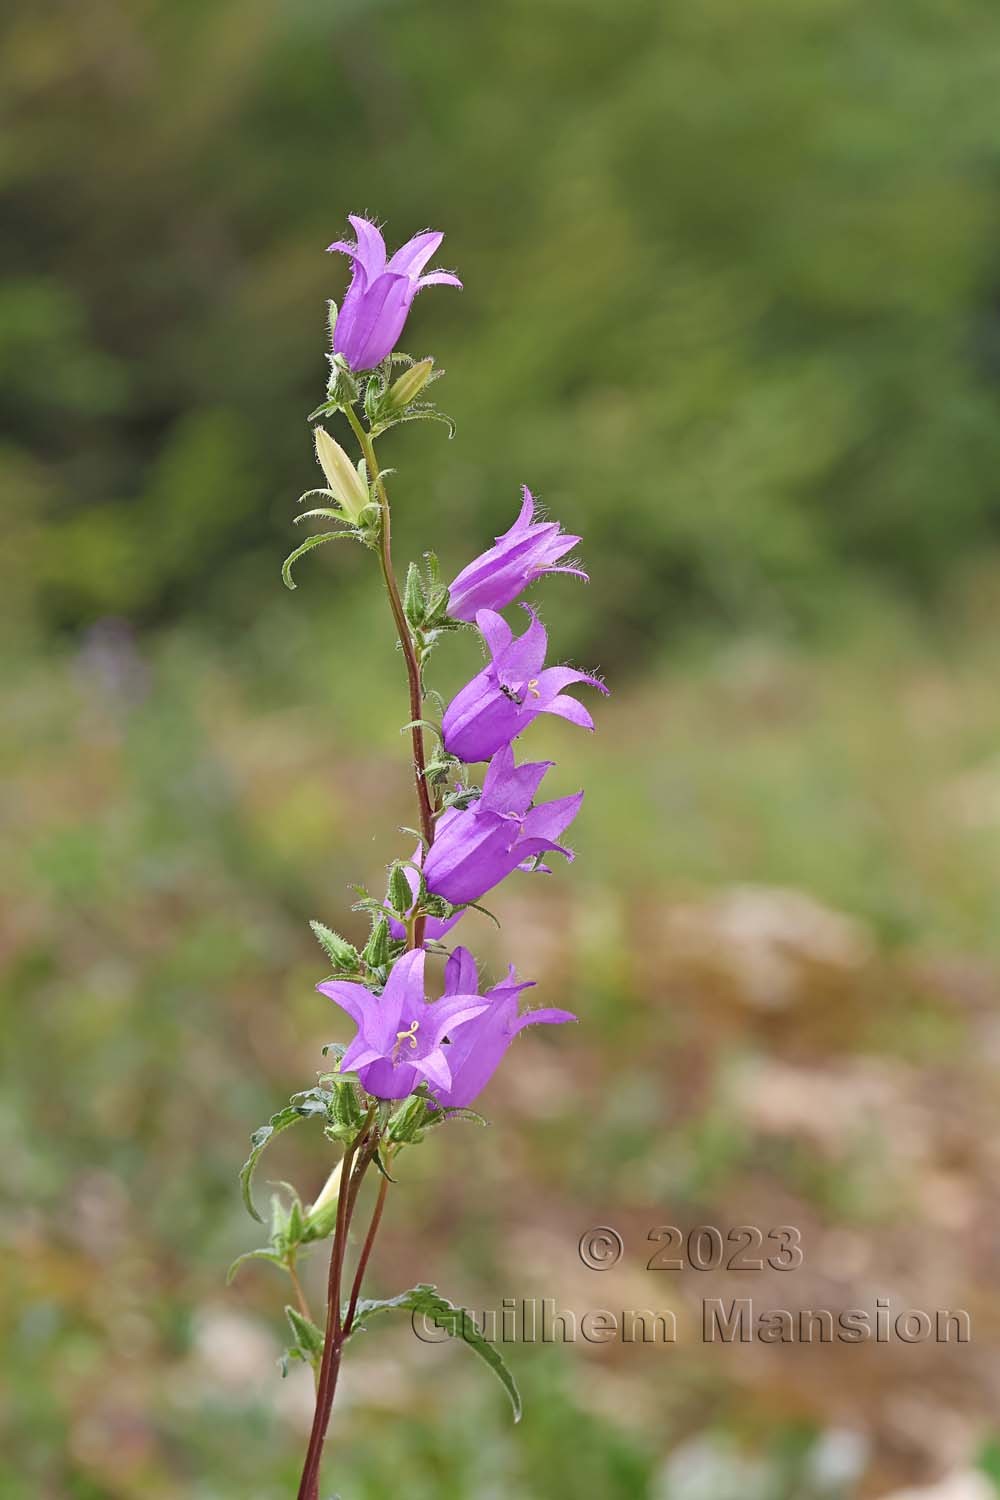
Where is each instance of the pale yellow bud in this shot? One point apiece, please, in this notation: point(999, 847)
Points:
point(331, 1190)
point(409, 385)
point(342, 478)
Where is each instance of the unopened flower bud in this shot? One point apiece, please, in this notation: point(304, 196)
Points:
point(413, 597)
point(376, 954)
point(331, 1192)
point(409, 385)
point(342, 954)
point(400, 894)
point(406, 1122)
point(343, 480)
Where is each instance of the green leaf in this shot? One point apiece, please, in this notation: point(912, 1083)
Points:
point(308, 1338)
point(458, 1321)
point(263, 1253)
point(307, 546)
point(290, 1115)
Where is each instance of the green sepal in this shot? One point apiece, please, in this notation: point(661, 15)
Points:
point(475, 906)
point(458, 1322)
point(442, 1116)
point(383, 1170)
point(262, 1253)
point(307, 546)
point(290, 1115)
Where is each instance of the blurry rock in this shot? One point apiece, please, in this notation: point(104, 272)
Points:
point(973, 799)
point(836, 1106)
point(713, 1468)
point(967, 1485)
point(768, 943)
point(232, 1350)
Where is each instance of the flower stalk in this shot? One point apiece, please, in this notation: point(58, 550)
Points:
point(414, 1063)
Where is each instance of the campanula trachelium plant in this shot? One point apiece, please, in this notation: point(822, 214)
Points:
point(414, 1062)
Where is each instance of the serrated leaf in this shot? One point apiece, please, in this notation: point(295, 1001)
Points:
point(458, 1322)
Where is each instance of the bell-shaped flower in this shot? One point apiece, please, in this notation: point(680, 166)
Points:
point(344, 482)
point(522, 554)
point(381, 292)
point(506, 696)
point(399, 1038)
point(477, 1048)
point(477, 847)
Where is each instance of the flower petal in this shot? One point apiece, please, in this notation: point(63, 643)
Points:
point(371, 245)
point(439, 278)
point(461, 977)
point(495, 631)
point(354, 998)
point(411, 258)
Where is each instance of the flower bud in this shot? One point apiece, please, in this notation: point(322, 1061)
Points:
point(376, 953)
point(344, 482)
point(342, 954)
point(413, 597)
point(330, 1193)
point(400, 894)
point(406, 1123)
point(409, 385)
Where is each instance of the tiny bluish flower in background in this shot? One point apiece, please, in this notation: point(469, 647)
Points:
point(503, 699)
point(381, 292)
point(398, 1043)
point(476, 1050)
point(522, 554)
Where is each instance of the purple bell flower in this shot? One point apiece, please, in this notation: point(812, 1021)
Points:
point(381, 292)
point(475, 848)
point(399, 1039)
point(522, 554)
point(476, 1050)
point(503, 699)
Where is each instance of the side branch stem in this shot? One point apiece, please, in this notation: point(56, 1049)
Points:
point(350, 1182)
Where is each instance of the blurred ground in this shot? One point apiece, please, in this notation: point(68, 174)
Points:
point(779, 935)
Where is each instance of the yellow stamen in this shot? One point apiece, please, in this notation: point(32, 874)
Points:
point(407, 1036)
point(533, 688)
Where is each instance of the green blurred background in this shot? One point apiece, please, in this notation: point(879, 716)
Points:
point(732, 308)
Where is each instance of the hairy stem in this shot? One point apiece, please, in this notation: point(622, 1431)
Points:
point(402, 630)
point(353, 1171)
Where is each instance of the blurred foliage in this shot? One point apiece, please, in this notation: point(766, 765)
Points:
point(731, 297)
point(731, 308)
